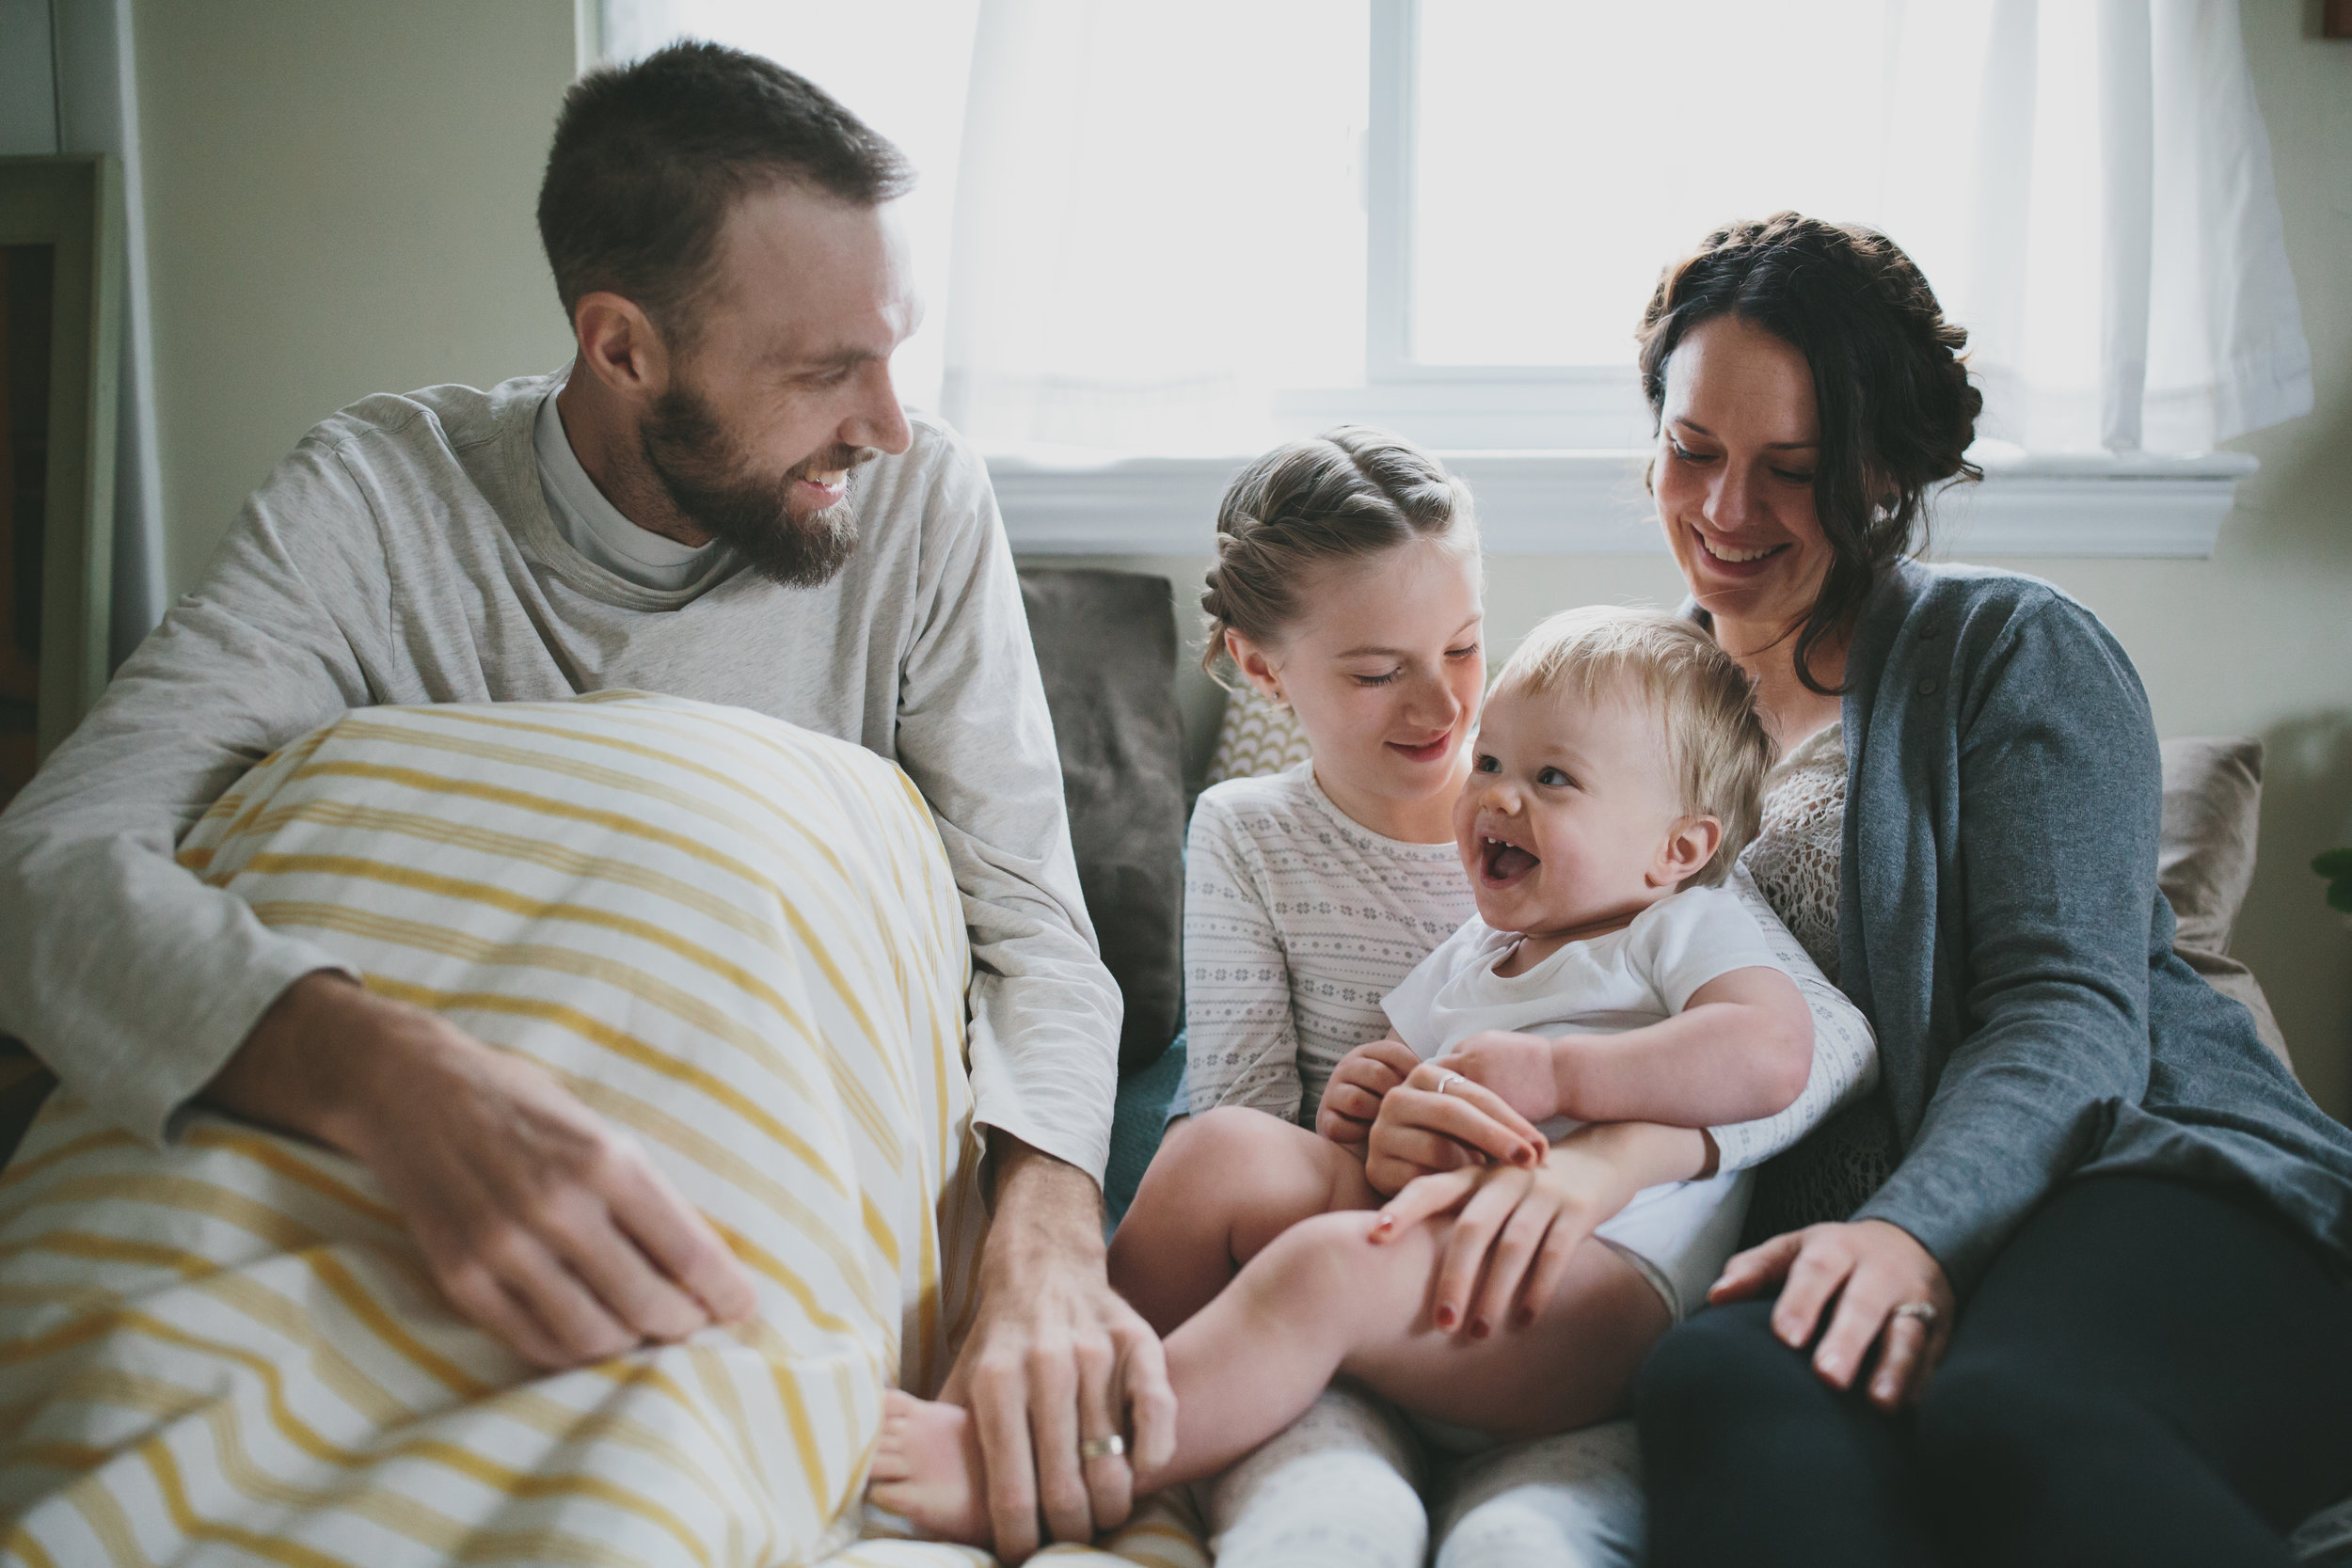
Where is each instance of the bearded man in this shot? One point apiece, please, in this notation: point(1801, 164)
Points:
point(721, 499)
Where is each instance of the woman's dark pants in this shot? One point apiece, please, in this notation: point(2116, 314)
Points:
point(2151, 1373)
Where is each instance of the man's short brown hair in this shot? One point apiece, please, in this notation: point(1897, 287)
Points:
point(649, 157)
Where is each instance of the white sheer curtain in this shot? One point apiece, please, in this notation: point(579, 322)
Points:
point(2089, 187)
point(1139, 223)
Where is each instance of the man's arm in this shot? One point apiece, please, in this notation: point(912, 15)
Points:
point(1055, 1358)
point(1053, 1353)
point(537, 1218)
point(264, 650)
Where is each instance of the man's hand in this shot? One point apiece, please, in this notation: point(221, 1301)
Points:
point(1351, 1100)
point(540, 1221)
point(1891, 1293)
point(1438, 1120)
point(1055, 1358)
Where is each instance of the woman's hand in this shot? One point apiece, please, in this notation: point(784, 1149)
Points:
point(1516, 1227)
point(1351, 1100)
point(1437, 1120)
point(1519, 1228)
point(1873, 1269)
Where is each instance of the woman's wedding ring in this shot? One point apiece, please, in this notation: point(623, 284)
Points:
point(1112, 1447)
point(1923, 1310)
point(1447, 1078)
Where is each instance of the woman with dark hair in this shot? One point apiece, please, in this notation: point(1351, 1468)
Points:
point(2072, 1286)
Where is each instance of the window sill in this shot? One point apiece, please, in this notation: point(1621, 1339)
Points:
point(1593, 503)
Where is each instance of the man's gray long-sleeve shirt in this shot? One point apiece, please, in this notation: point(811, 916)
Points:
point(403, 554)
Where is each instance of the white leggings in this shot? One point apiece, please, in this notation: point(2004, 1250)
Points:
point(1342, 1487)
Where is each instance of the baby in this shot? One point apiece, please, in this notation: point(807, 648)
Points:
point(1614, 780)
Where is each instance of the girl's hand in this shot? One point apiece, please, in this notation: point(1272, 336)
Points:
point(1351, 1100)
point(1516, 1228)
point(1882, 1278)
point(1438, 1120)
point(1522, 1068)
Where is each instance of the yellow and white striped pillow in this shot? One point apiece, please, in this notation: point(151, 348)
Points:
point(740, 942)
point(737, 939)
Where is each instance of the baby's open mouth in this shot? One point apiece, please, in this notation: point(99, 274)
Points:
point(1501, 864)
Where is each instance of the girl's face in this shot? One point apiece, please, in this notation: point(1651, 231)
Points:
point(1383, 666)
point(1737, 443)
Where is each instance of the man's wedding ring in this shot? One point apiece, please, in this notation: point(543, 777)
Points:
point(1923, 1310)
point(1447, 1078)
point(1112, 1447)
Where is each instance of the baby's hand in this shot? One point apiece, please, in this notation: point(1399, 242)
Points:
point(1521, 1069)
point(1351, 1100)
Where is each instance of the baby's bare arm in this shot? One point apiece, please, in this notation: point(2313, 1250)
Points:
point(1741, 1048)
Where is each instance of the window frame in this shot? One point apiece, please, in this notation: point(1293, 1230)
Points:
point(1557, 454)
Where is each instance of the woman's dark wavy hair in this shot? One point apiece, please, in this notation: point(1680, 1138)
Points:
point(1890, 386)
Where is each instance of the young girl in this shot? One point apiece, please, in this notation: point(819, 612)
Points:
point(1347, 586)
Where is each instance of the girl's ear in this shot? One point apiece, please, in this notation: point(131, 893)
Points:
point(1688, 847)
point(1255, 667)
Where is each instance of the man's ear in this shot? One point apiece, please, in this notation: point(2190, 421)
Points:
point(621, 347)
point(1255, 667)
point(1688, 847)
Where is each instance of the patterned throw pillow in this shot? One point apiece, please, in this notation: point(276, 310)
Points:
point(1255, 738)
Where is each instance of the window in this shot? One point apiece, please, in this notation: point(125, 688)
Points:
point(1156, 238)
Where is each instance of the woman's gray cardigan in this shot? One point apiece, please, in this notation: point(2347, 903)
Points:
point(2000, 926)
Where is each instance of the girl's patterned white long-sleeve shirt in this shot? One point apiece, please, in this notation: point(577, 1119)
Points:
point(1298, 920)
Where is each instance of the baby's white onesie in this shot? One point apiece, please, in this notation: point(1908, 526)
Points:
point(1678, 1234)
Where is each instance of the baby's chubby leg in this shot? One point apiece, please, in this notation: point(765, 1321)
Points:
point(1322, 1299)
point(1242, 1369)
point(1225, 1184)
point(1319, 1299)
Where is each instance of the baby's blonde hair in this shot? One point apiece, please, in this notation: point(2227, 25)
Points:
point(1716, 745)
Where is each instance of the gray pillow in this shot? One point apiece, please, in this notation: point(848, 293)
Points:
point(1106, 647)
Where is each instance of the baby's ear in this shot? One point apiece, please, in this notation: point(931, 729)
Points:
point(1688, 847)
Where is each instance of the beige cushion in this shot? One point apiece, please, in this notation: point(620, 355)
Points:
point(1255, 738)
point(2213, 790)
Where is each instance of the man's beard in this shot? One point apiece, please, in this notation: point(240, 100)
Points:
point(700, 470)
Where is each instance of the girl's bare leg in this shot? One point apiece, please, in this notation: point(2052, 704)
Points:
point(1225, 1184)
point(1319, 1300)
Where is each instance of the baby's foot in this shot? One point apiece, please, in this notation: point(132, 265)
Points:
point(927, 1468)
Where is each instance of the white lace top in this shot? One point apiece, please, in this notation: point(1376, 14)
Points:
point(1795, 857)
point(1795, 861)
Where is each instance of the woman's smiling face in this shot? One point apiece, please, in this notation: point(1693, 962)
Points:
point(1737, 440)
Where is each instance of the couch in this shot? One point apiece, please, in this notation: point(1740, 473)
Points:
point(1106, 642)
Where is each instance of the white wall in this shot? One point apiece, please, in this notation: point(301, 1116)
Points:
point(340, 195)
point(339, 202)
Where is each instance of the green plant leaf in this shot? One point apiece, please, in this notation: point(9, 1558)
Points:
point(2333, 863)
point(2340, 894)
